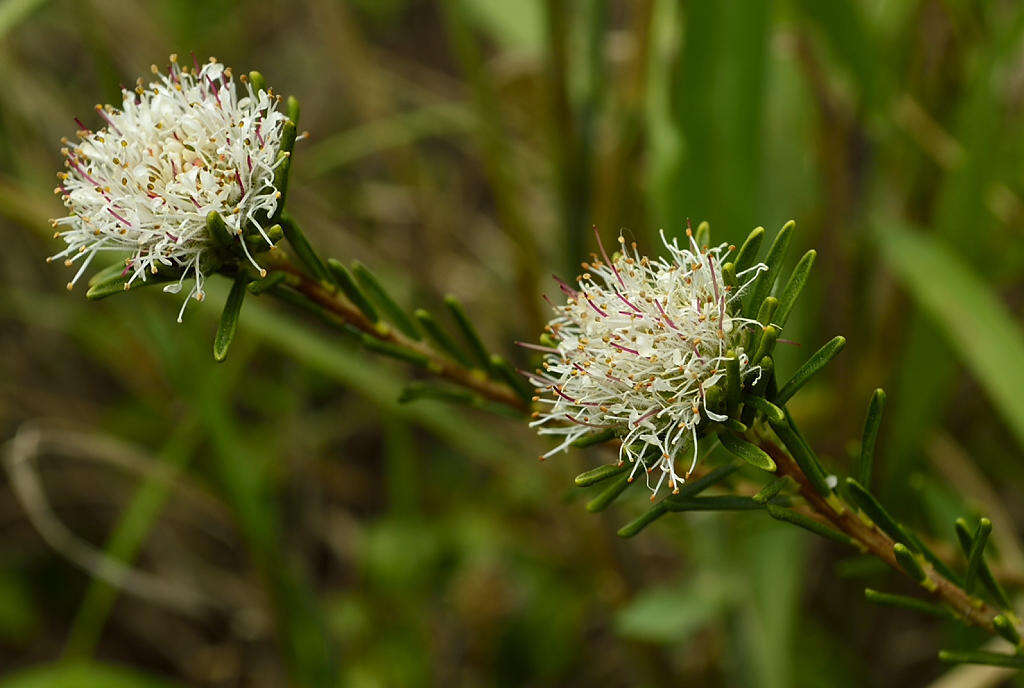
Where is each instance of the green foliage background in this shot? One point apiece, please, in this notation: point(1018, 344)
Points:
point(327, 534)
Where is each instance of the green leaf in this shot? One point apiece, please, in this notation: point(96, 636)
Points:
point(229, 318)
point(978, 326)
point(773, 488)
point(703, 235)
point(592, 438)
point(267, 283)
point(772, 413)
point(789, 516)
point(729, 275)
point(685, 491)
point(514, 380)
point(118, 284)
point(766, 342)
point(282, 173)
point(967, 544)
point(940, 566)
point(218, 231)
point(108, 273)
point(393, 313)
point(811, 366)
point(910, 565)
point(469, 333)
point(258, 242)
point(801, 453)
point(753, 455)
point(441, 339)
point(259, 83)
point(712, 478)
point(765, 280)
point(596, 475)
point(394, 350)
point(609, 495)
point(981, 657)
point(904, 602)
point(874, 510)
point(870, 435)
point(1006, 629)
point(767, 310)
point(343, 278)
point(747, 256)
point(795, 284)
point(976, 557)
point(734, 425)
point(292, 107)
point(644, 520)
point(288, 133)
point(303, 249)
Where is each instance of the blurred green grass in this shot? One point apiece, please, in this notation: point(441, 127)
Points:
point(467, 146)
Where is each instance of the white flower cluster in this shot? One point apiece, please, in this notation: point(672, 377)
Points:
point(638, 344)
point(190, 143)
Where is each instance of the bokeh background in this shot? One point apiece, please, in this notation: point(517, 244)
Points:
point(285, 521)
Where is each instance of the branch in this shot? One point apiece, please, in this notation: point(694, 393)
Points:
point(971, 609)
point(329, 298)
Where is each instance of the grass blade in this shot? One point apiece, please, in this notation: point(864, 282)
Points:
point(978, 326)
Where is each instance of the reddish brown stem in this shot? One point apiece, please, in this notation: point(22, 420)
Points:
point(330, 299)
point(972, 609)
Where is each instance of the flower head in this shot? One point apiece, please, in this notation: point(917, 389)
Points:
point(636, 347)
point(190, 143)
